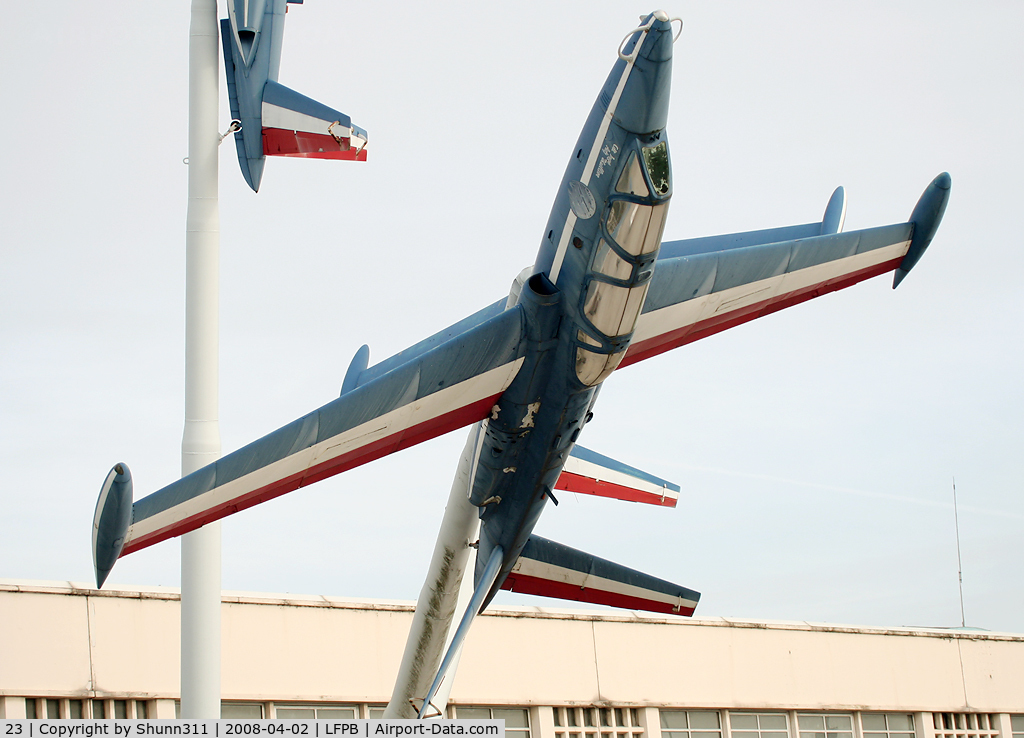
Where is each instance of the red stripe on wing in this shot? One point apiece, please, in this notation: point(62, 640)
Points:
point(403, 439)
point(683, 335)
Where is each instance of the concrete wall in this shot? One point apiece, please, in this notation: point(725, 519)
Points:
point(71, 641)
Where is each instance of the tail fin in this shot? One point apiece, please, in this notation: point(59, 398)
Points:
point(551, 569)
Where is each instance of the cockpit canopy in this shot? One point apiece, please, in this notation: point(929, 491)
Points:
point(623, 260)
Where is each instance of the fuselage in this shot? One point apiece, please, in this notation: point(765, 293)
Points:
point(588, 286)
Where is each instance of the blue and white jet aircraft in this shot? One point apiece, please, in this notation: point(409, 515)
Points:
point(271, 119)
point(604, 292)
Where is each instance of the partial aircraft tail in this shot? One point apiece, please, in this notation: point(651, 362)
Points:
point(277, 121)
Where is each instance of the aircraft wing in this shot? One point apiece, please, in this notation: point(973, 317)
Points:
point(451, 385)
point(706, 285)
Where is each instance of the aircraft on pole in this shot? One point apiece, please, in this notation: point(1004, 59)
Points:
point(270, 119)
point(604, 292)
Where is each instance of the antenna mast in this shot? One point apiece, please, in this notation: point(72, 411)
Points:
point(959, 565)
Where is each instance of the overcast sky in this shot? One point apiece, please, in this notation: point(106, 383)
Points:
point(815, 448)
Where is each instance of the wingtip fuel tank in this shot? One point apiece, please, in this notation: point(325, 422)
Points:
point(926, 218)
point(274, 120)
point(111, 521)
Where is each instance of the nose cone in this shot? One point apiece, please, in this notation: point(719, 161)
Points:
point(643, 106)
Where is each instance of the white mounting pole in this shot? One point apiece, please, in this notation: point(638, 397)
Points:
point(446, 592)
point(200, 443)
point(444, 596)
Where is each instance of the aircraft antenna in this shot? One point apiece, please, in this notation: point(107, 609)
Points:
point(959, 565)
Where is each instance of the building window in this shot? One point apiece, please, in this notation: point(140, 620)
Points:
point(316, 712)
point(517, 720)
point(887, 725)
point(825, 725)
point(1017, 725)
point(690, 724)
point(965, 725)
point(596, 722)
point(50, 708)
point(42, 708)
point(241, 711)
point(758, 725)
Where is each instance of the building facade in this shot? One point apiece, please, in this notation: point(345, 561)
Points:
point(69, 651)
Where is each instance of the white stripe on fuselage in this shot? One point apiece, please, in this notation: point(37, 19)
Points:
point(690, 312)
point(595, 152)
point(433, 406)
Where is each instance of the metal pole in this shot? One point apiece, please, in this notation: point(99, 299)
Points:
point(200, 444)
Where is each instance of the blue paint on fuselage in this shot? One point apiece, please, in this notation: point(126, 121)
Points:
point(251, 58)
point(647, 91)
point(533, 427)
